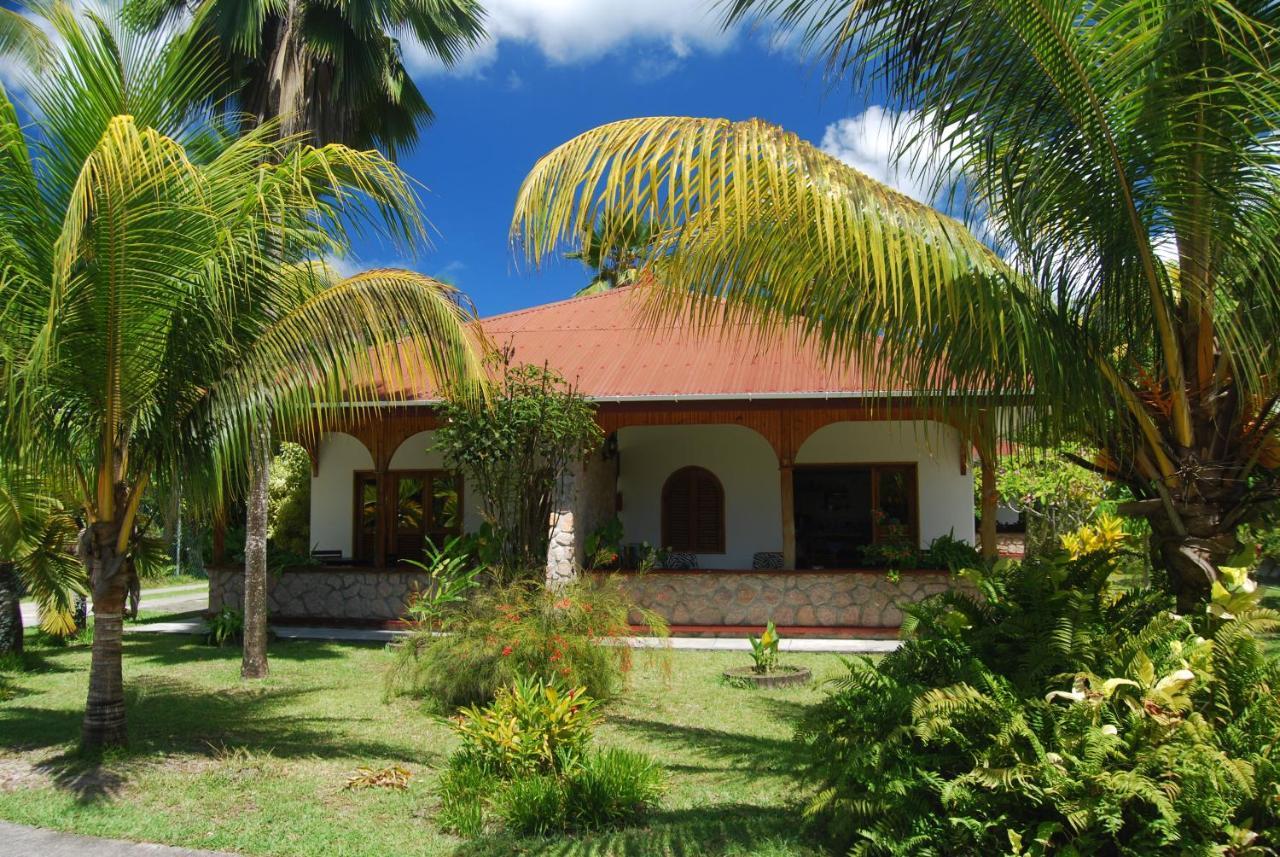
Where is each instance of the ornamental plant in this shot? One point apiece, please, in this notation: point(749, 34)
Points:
point(523, 631)
point(1052, 713)
point(526, 766)
point(515, 445)
point(764, 649)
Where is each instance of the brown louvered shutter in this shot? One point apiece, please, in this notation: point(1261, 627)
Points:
point(693, 512)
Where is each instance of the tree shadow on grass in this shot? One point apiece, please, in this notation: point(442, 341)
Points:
point(172, 717)
point(174, 649)
point(737, 749)
point(741, 829)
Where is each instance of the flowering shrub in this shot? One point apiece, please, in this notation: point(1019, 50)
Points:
point(522, 631)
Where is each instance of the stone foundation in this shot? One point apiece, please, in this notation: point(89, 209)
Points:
point(323, 593)
point(865, 599)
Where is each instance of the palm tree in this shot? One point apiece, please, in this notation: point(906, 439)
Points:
point(334, 72)
point(614, 264)
point(160, 302)
point(37, 541)
point(1123, 159)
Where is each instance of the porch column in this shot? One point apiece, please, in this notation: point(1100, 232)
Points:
point(787, 474)
point(562, 549)
point(990, 498)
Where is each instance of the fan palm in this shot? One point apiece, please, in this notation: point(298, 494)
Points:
point(159, 303)
point(1122, 155)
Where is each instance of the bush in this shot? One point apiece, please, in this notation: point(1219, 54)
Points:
point(612, 788)
point(289, 501)
point(531, 727)
point(525, 765)
point(1054, 714)
point(521, 631)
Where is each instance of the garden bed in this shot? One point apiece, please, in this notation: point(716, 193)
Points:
point(783, 675)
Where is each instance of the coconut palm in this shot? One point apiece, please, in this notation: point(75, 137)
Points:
point(616, 264)
point(1121, 155)
point(37, 541)
point(160, 302)
point(334, 72)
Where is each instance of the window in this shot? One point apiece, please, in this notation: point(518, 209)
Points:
point(419, 505)
point(693, 512)
point(841, 509)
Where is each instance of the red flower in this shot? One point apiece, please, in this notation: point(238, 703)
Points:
point(506, 650)
point(564, 604)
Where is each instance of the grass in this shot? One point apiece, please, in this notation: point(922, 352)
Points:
point(170, 580)
point(259, 768)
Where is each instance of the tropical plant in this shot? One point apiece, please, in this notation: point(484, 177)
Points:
point(1118, 156)
point(328, 73)
point(289, 501)
point(1052, 489)
point(525, 759)
point(37, 543)
point(1047, 713)
point(454, 575)
point(159, 298)
point(948, 552)
point(515, 447)
point(332, 71)
point(617, 263)
point(226, 626)
point(764, 649)
point(523, 630)
point(603, 547)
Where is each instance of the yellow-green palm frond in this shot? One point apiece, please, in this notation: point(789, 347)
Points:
point(760, 227)
point(38, 538)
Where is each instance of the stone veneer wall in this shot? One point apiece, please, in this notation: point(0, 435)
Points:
point(323, 593)
point(866, 599)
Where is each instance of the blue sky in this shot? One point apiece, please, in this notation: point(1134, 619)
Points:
point(534, 87)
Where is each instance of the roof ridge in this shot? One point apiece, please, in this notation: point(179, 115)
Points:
point(574, 299)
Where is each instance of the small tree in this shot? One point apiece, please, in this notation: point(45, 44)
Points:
point(514, 448)
point(1053, 494)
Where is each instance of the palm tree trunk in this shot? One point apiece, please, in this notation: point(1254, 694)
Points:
point(1192, 553)
point(104, 714)
point(10, 612)
point(254, 664)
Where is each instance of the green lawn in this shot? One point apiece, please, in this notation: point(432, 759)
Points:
point(260, 768)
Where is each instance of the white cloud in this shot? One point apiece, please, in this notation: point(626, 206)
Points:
point(569, 31)
point(894, 148)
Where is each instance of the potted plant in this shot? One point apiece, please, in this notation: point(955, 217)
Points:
point(765, 670)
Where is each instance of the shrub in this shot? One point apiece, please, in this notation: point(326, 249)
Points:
point(764, 649)
point(612, 788)
point(1053, 714)
point(522, 631)
point(526, 766)
point(289, 501)
point(531, 727)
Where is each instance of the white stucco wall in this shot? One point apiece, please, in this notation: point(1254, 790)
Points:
point(741, 459)
point(946, 494)
point(333, 491)
point(333, 487)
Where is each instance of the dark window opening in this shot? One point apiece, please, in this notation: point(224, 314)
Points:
point(839, 510)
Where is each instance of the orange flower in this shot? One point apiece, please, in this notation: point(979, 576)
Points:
point(506, 650)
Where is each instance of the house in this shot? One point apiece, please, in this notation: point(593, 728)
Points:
point(762, 469)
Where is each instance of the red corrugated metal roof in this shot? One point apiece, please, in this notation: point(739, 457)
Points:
point(606, 346)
